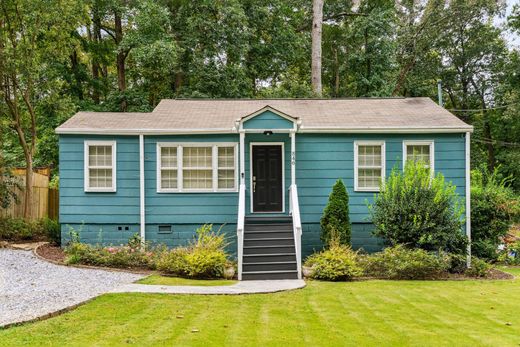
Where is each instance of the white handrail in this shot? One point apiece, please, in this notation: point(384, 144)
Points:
point(240, 227)
point(297, 226)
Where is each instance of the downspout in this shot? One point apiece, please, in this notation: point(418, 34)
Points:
point(141, 190)
point(468, 199)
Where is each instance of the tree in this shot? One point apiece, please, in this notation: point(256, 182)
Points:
point(335, 221)
point(317, 22)
point(32, 39)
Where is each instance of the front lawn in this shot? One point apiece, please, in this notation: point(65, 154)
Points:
point(420, 313)
point(178, 281)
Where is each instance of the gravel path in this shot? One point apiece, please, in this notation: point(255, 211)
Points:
point(32, 288)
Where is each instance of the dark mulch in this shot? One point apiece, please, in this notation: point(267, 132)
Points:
point(493, 274)
point(52, 253)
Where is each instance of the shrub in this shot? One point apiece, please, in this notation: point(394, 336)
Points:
point(338, 263)
point(420, 211)
point(336, 216)
point(510, 254)
point(51, 229)
point(493, 209)
point(479, 268)
point(19, 229)
point(205, 257)
point(402, 263)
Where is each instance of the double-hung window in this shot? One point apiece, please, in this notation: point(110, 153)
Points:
point(196, 167)
point(369, 165)
point(419, 151)
point(100, 166)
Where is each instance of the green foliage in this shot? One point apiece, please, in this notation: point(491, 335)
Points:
point(205, 257)
point(478, 268)
point(338, 263)
point(493, 209)
point(335, 219)
point(418, 210)
point(510, 254)
point(401, 263)
point(19, 229)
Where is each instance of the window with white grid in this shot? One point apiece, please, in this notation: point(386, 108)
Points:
point(369, 165)
point(100, 166)
point(419, 151)
point(196, 167)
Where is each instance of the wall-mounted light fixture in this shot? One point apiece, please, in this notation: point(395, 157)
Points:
point(268, 133)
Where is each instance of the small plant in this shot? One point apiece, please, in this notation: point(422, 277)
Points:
point(401, 263)
point(338, 263)
point(336, 215)
point(478, 268)
point(419, 211)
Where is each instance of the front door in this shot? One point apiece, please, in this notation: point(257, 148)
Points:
point(267, 178)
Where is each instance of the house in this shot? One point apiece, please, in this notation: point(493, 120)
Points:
point(261, 168)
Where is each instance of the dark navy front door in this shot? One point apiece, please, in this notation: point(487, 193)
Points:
point(267, 178)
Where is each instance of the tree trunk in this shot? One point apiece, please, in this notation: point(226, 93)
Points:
point(120, 60)
point(317, 22)
point(336, 79)
point(96, 38)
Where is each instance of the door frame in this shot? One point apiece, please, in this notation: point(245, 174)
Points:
point(282, 145)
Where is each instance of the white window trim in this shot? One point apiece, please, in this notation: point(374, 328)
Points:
point(383, 164)
point(87, 167)
point(430, 143)
point(214, 166)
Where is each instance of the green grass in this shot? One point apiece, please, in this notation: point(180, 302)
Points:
point(177, 281)
point(417, 313)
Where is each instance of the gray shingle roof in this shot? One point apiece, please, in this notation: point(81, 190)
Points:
point(213, 115)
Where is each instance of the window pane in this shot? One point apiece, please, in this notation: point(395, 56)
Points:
point(197, 179)
point(418, 153)
point(226, 157)
point(169, 179)
point(100, 178)
point(100, 155)
point(369, 156)
point(369, 178)
point(226, 179)
point(194, 157)
point(169, 157)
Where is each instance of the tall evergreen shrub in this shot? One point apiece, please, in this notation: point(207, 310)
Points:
point(335, 221)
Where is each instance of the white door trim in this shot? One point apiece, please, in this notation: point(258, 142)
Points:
point(282, 145)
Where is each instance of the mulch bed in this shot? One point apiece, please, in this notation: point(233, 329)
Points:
point(52, 253)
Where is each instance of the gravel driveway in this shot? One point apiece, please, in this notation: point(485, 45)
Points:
point(31, 288)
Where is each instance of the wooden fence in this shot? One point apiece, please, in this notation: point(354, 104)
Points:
point(45, 200)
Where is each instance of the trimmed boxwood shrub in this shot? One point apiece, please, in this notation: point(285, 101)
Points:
point(335, 217)
point(338, 263)
point(419, 211)
point(401, 263)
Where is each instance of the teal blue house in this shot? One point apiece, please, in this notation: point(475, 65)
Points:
point(261, 169)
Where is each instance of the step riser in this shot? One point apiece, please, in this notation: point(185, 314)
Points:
point(269, 267)
point(269, 250)
point(278, 276)
point(266, 235)
point(262, 227)
point(268, 220)
point(268, 258)
point(288, 242)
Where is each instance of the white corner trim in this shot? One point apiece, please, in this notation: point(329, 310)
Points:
point(430, 143)
point(468, 195)
point(86, 167)
point(251, 144)
point(356, 164)
point(214, 166)
point(142, 190)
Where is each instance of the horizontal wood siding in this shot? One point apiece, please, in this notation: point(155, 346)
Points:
point(323, 158)
point(268, 120)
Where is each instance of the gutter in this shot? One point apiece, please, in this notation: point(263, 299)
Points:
point(142, 191)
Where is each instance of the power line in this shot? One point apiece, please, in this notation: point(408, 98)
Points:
point(481, 109)
point(491, 141)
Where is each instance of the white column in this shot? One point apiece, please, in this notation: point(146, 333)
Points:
point(242, 158)
point(292, 134)
point(468, 196)
point(141, 189)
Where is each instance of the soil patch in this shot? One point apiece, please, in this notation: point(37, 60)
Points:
point(52, 253)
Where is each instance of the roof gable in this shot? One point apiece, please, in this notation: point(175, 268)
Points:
point(268, 118)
